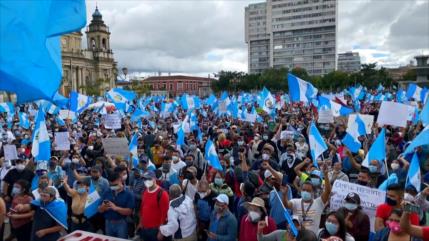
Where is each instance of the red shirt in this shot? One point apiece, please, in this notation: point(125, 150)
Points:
point(383, 211)
point(249, 230)
point(426, 233)
point(18, 199)
point(153, 213)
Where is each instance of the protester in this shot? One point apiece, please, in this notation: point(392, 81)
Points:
point(357, 222)
point(223, 225)
point(413, 230)
point(153, 208)
point(335, 226)
point(15, 174)
point(249, 223)
point(21, 222)
point(181, 221)
point(117, 204)
point(393, 229)
point(79, 198)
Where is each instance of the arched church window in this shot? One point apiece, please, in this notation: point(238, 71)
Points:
point(93, 43)
point(103, 43)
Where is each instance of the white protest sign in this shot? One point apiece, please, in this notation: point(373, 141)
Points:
point(10, 152)
point(370, 198)
point(222, 107)
point(367, 119)
point(112, 121)
point(325, 116)
point(116, 146)
point(66, 114)
point(62, 141)
point(83, 235)
point(392, 113)
point(286, 135)
point(250, 117)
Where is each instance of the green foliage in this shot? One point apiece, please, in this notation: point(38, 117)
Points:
point(276, 79)
point(410, 75)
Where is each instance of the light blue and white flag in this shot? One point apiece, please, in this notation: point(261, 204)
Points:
point(266, 100)
point(414, 91)
point(118, 95)
point(392, 179)
point(41, 147)
point(421, 139)
point(300, 90)
point(133, 150)
point(424, 114)
point(60, 121)
point(7, 107)
point(79, 102)
point(180, 136)
point(211, 156)
point(93, 200)
point(190, 102)
point(24, 122)
point(317, 144)
point(56, 209)
point(377, 151)
point(414, 177)
point(354, 130)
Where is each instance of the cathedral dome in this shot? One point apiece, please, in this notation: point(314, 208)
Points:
point(96, 14)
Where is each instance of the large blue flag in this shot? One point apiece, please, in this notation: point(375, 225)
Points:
point(57, 209)
point(93, 200)
point(300, 90)
point(24, 122)
point(211, 156)
point(377, 151)
point(414, 177)
point(133, 150)
point(30, 52)
point(392, 179)
point(421, 139)
point(317, 144)
point(41, 146)
point(424, 114)
point(79, 102)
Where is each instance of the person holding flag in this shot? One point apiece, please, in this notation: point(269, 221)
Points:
point(50, 213)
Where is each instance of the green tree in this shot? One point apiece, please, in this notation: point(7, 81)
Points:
point(410, 75)
point(301, 73)
point(94, 88)
point(274, 79)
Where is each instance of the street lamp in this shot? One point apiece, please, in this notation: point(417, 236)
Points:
point(125, 72)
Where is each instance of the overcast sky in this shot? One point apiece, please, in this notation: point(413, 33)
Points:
point(201, 37)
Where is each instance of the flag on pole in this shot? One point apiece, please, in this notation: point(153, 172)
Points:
point(421, 139)
point(392, 179)
point(41, 146)
point(317, 144)
point(24, 122)
point(79, 102)
point(300, 90)
point(414, 177)
point(133, 150)
point(211, 155)
point(377, 151)
point(93, 200)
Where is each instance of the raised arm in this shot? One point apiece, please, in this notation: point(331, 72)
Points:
point(415, 231)
point(353, 161)
point(327, 190)
point(298, 167)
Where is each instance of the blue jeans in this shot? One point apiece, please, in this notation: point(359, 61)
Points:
point(117, 228)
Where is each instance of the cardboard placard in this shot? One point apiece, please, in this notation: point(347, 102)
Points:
point(116, 146)
point(10, 152)
point(112, 121)
point(325, 116)
point(370, 197)
point(393, 113)
point(83, 235)
point(62, 141)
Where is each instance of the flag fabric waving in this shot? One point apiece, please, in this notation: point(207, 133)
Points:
point(414, 177)
point(421, 139)
point(41, 147)
point(93, 200)
point(30, 52)
point(79, 102)
point(377, 151)
point(300, 90)
point(133, 150)
point(211, 156)
point(317, 144)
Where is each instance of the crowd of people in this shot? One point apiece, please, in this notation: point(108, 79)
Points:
point(268, 187)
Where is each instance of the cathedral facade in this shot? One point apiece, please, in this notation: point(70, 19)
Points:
point(92, 70)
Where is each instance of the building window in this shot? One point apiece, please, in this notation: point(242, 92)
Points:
point(103, 44)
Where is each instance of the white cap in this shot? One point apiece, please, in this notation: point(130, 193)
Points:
point(222, 198)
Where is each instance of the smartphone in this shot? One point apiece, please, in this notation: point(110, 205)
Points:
point(412, 208)
point(13, 210)
point(105, 201)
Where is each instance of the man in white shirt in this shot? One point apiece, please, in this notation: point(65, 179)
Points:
point(182, 222)
point(308, 209)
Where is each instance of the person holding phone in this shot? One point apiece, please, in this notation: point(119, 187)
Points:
point(407, 227)
point(21, 222)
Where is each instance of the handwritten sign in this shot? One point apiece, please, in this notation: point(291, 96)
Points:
point(10, 152)
point(112, 121)
point(62, 141)
point(325, 116)
point(370, 198)
point(116, 146)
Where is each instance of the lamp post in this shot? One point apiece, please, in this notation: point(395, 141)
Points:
point(125, 72)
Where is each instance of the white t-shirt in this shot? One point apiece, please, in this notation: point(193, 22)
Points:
point(191, 189)
point(178, 166)
point(313, 215)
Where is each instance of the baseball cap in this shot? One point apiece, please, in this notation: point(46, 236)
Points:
point(353, 197)
point(149, 175)
point(222, 198)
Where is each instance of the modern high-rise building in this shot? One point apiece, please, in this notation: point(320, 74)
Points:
point(292, 33)
point(349, 62)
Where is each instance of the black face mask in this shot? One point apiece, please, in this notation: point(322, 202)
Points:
point(363, 183)
point(189, 176)
point(166, 167)
point(391, 202)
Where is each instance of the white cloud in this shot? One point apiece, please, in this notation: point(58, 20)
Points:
point(200, 37)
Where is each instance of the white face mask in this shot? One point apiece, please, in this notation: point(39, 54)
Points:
point(202, 194)
point(20, 167)
point(124, 177)
point(394, 166)
point(74, 160)
point(265, 157)
point(148, 183)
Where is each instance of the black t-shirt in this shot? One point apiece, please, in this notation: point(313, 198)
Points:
point(44, 220)
point(14, 175)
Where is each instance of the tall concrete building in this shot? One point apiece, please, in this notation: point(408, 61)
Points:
point(85, 68)
point(349, 62)
point(292, 33)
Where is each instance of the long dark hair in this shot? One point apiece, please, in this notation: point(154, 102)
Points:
point(25, 186)
point(341, 233)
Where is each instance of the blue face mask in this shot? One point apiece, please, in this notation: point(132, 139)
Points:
point(351, 206)
point(218, 181)
point(372, 169)
point(16, 190)
point(315, 181)
point(81, 190)
point(331, 228)
point(306, 196)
